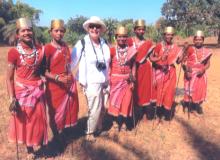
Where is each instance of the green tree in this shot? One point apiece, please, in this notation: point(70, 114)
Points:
point(42, 34)
point(111, 26)
point(10, 13)
point(189, 15)
point(24, 10)
point(6, 15)
point(129, 24)
point(72, 37)
point(153, 33)
point(75, 24)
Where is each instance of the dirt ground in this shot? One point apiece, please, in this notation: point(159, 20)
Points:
point(194, 138)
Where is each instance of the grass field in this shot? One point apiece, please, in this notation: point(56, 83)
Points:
point(197, 138)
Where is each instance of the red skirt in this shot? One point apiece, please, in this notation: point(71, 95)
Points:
point(164, 86)
point(122, 102)
point(144, 84)
point(63, 105)
point(29, 126)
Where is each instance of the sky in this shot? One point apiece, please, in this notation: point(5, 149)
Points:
point(150, 10)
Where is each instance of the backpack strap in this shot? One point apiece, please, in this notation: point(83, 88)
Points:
point(83, 48)
point(83, 45)
point(106, 42)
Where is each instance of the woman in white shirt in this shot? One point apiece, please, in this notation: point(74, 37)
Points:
point(92, 54)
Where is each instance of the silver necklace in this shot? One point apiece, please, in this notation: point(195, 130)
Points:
point(24, 55)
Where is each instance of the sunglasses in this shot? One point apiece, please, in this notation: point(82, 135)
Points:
point(97, 26)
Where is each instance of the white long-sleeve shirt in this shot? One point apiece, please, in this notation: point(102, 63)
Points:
point(87, 72)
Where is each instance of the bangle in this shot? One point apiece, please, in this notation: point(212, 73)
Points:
point(56, 77)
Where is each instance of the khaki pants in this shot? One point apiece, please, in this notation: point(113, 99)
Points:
point(96, 100)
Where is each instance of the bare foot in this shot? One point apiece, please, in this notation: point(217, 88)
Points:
point(115, 126)
point(90, 138)
point(123, 127)
point(30, 156)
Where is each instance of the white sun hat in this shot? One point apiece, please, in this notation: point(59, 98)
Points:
point(94, 20)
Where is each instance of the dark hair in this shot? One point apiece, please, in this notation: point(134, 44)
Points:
point(139, 26)
point(203, 38)
point(53, 28)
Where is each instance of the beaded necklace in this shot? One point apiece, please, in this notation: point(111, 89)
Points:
point(166, 49)
point(137, 44)
point(59, 49)
point(198, 59)
point(121, 55)
point(24, 56)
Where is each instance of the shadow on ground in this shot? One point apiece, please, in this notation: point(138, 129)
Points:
point(77, 146)
point(56, 146)
point(206, 150)
point(95, 152)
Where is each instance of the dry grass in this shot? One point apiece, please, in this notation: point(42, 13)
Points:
point(197, 138)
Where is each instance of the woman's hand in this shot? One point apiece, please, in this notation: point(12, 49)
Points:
point(188, 76)
point(200, 73)
point(132, 86)
point(164, 57)
point(14, 105)
point(65, 79)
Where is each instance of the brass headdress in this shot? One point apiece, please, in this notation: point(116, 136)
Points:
point(57, 23)
point(199, 33)
point(169, 30)
point(121, 30)
point(139, 23)
point(23, 23)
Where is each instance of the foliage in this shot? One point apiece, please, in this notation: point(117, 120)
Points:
point(9, 13)
point(129, 24)
point(24, 10)
point(111, 25)
point(72, 37)
point(187, 15)
point(153, 33)
point(42, 34)
point(75, 24)
point(75, 31)
point(9, 33)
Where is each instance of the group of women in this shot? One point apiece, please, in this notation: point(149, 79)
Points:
point(40, 76)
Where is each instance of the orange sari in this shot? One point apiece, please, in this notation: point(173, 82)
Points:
point(144, 74)
point(62, 101)
point(29, 124)
point(196, 86)
point(121, 96)
point(164, 82)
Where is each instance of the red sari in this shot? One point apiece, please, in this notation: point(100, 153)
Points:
point(144, 73)
point(164, 83)
point(121, 98)
point(29, 124)
point(62, 101)
point(196, 86)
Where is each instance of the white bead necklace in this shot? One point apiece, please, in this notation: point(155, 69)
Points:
point(121, 55)
point(24, 55)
